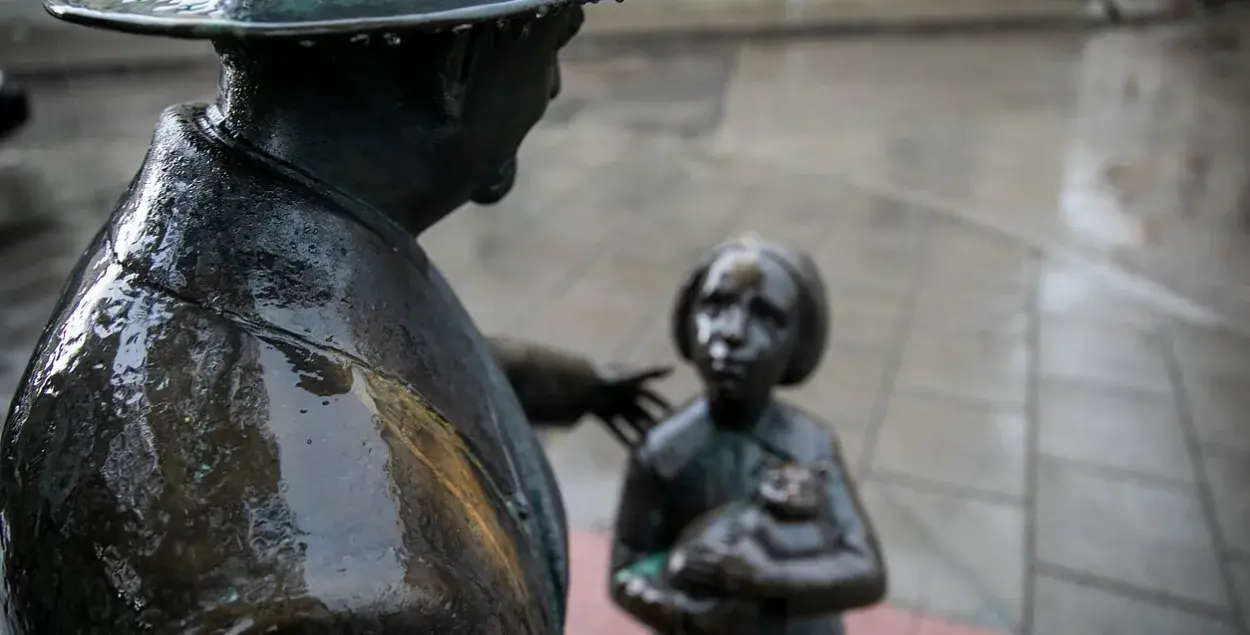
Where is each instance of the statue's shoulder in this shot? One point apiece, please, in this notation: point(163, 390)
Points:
point(121, 358)
point(677, 440)
point(114, 342)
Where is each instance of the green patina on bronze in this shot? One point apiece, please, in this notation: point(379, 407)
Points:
point(648, 567)
point(206, 19)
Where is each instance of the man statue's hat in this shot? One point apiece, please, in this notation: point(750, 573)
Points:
point(252, 18)
point(814, 315)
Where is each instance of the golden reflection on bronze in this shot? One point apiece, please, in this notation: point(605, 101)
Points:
point(423, 434)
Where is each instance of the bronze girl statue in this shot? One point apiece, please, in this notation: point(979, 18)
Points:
point(258, 407)
point(720, 529)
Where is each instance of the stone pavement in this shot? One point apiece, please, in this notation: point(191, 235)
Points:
point(637, 16)
point(1035, 245)
point(34, 43)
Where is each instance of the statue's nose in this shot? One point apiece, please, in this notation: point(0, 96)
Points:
point(718, 351)
point(732, 325)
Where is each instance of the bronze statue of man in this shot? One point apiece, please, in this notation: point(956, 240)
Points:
point(751, 316)
point(258, 407)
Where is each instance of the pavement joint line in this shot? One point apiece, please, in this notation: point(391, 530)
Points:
point(1133, 592)
point(1236, 555)
point(1122, 475)
point(896, 350)
point(1206, 496)
point(1227, 451)
point(965, 401)
point(892, 477)
point(1032, 448)
point(1118, 389)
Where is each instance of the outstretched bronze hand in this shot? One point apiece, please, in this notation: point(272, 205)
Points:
point(557, 388)
point(626, 405)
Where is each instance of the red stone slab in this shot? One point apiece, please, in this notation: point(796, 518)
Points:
point(592, 613)
point(935, 626)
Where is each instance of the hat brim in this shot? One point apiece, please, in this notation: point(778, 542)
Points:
point(207, 19)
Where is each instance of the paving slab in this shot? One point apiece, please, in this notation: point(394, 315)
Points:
point(986, 367)
point(955, 442)
point(952, 555)
point(1241, 584)
point(1064, 608)
point(1116, 356)
point(1123, 429)
point(1140, 535)
point(1228, 476)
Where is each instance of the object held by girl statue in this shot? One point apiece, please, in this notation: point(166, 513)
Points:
point(713, 487)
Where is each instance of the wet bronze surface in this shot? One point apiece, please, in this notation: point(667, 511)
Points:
point(205, 451)
point(258, 406)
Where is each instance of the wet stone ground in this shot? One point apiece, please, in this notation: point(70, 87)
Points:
point(1036, 247)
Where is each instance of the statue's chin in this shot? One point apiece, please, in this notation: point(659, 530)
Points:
point(729, 389)
point(495, 189)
